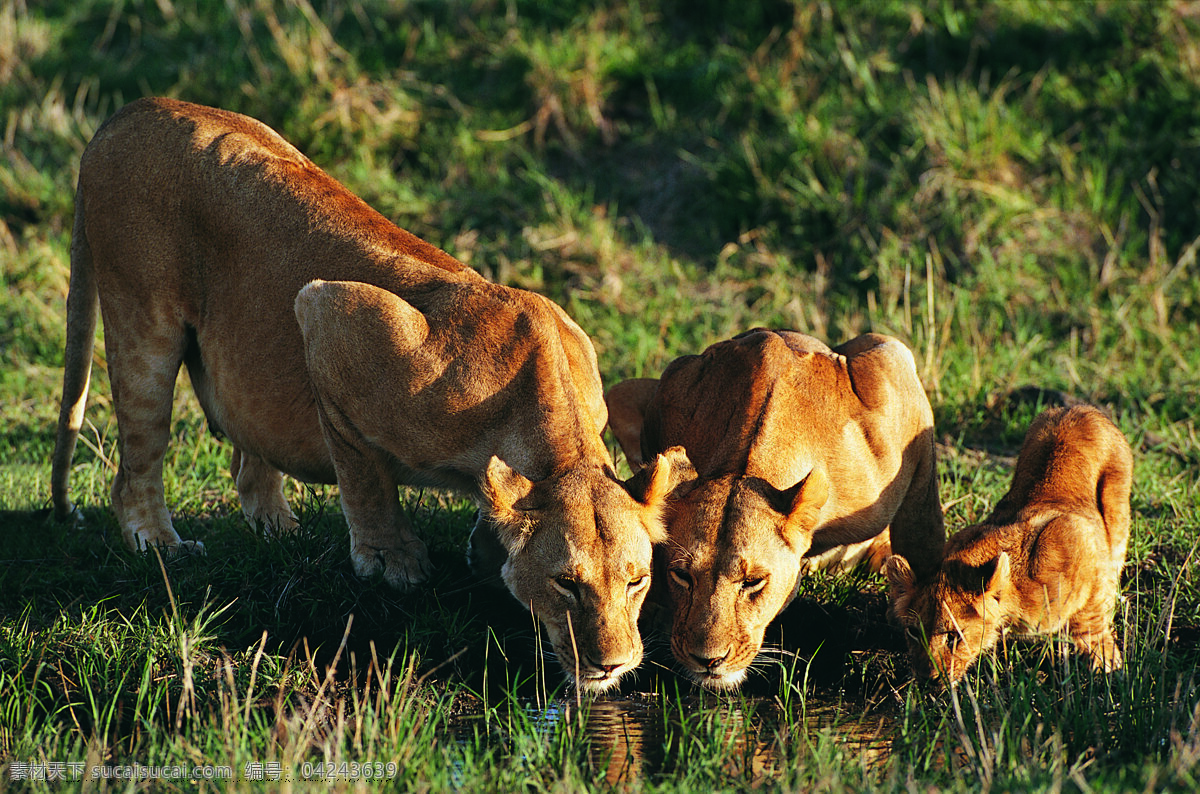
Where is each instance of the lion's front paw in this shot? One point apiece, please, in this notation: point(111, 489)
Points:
point(1106, 656)
point(190, 547)
point(165, 540)
point(402, 567)
point(182, 549)
point(69, 514)
point(272, 515)
point(275, 524)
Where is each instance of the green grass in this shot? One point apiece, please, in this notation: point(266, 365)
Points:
point(1009, 187)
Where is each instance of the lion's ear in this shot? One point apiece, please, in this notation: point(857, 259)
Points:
point(802, 503)
point(998, 582)
point(627, 403)
point(503, 488)
point(661, 476)
point(653, 485)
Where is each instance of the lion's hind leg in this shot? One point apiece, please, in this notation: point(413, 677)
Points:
point(260, 489)
point(143, 361)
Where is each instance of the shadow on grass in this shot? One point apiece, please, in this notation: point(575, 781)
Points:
point(301, 591)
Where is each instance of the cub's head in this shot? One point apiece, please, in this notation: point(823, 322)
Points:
point(733, 557)
point(952, 618)
point(579, 550)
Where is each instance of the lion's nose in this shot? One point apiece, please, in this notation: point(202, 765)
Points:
point(710, 662)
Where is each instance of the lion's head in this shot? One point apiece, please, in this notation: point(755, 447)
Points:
point(733, 559)
point(953, 618)
point(579, 548)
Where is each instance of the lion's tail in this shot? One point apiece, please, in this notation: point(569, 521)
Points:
point(82, 309)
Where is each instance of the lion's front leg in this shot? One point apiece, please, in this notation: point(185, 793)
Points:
point(485, 553)
point(1102, 649)
point(393, 552)
point(1091, 630)
point(260, 488)
point(381, 539)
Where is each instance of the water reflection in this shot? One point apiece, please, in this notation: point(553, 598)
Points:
point(634, 739)
point(625, 739)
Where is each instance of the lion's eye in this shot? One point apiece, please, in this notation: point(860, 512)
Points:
point(681, 577)
point(754, 584)
point(639, 583)
point(567, 586)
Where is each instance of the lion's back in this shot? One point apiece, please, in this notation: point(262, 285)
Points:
point(779, 402)
point(201, 226)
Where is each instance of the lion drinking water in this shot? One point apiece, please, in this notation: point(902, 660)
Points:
point(196, 231)
point(1047, 559)
point(804, 456)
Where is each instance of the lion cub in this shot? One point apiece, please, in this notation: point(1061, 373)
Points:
point(1048, 558)
point(803, 456)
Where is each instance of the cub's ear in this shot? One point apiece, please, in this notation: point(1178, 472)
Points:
point(653, 485)
point(899, 574)
point(627, 403)
point(802, 503)
point(998, 583)
point(901, 584)
point(503, 488)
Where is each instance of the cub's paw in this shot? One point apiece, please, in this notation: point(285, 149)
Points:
point(402, 567)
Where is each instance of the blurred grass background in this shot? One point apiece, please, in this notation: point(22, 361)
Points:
point(1008, 186)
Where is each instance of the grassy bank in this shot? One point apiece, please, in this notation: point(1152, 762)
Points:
point(1008, 187)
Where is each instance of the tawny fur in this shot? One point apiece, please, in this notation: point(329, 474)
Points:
point(803, 456)
point(1048, 559)
point(196, 231)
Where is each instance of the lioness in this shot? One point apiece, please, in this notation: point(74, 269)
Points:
point(802, 454)
point(1048, 558)
point(196, 231)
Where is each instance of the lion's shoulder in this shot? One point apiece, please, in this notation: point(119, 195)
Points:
point(535, 342)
